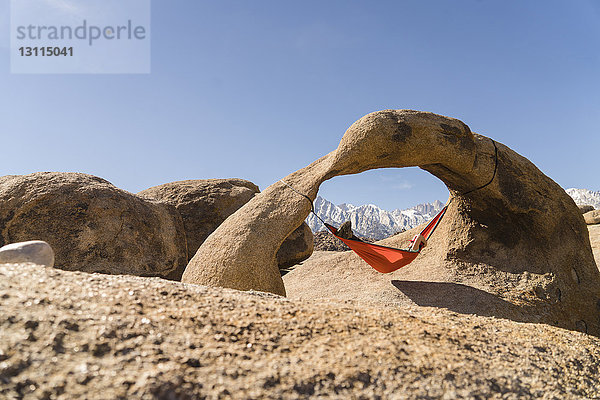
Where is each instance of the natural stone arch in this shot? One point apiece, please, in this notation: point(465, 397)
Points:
point(522, 230)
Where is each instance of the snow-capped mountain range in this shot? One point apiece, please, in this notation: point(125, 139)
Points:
point(585, 197)
point(369, 220)
point(373, 222)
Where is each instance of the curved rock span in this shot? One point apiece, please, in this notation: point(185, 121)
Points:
point(518, 248)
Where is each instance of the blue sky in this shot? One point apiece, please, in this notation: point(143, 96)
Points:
point(258, 89)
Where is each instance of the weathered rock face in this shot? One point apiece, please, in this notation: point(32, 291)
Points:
point(595, 241)
point(297, 247)
point(592, 217)
point(520, 242)
point(585, 208)
point(91, 225)
point(145, 338)
point(34, 251)
point(325, 241)
point(205, 203)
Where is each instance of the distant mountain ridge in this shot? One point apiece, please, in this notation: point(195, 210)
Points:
point(373, 222)
point(369, 220)
point(585, 197)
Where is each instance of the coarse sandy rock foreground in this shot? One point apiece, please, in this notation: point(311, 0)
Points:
point(72, 335)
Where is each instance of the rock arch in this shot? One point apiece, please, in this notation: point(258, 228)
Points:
point(522, 238)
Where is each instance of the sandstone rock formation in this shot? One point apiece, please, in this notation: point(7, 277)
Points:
point(88, 336)
point(325, 241)
point(35, 252)
point(585, 208)
point(592, 217)
point(517, 248)
point(297, 247)
point(205, 203)
point(91, 225)
point(595, 241)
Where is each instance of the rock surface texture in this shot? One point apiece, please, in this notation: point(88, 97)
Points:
point(84, 336)
point(325, 241)
point(35, 252)
point(592, 217)
point(585, 208)
point(595, 241)
point(92, 225)
point(205, 203)
point(518, 248)
point(297, 247)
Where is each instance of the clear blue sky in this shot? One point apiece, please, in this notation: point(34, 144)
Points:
point(258, 89)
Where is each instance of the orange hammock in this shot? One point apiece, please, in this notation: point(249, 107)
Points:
point(383, 259)
point(387, 259)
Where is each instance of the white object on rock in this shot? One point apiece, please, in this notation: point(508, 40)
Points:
point(35, 251)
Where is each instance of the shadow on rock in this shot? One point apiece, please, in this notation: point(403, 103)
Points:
point(460, 298)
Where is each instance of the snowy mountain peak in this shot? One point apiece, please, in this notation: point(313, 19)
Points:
point(585, 197)
point(369, 220)
point(373, 222)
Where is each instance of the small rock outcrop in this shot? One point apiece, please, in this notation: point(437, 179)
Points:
point(297, 247)
point(34, 251)
point(205, 203)
point(92, 225)
point(325, 241)
point(585, 208)
point(519, 243)
point(592, 217)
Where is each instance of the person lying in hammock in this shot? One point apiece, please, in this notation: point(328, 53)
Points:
point(345, 232)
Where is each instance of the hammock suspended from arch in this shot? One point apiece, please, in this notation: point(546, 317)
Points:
point(388, 259)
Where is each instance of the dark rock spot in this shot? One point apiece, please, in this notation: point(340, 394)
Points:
point(364, 377)
point(9, 370)
point(495, 386)
point(100, 349)
point(581, 326)
point(307, 388)
point(539, 292)
point(402, 133)
point(575, 275)
point(193, 362)
point(271, 382)
point(31, 324)
point(451, 130)
point(71, 326)
point(57, 343)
